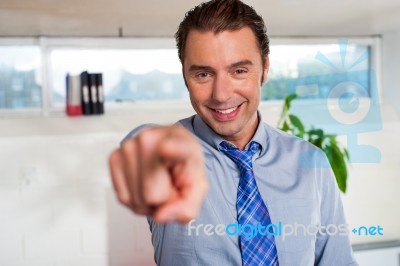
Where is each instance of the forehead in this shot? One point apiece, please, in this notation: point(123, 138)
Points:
point(208, 45)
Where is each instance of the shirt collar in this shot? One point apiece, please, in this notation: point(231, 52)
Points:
point(202, 130)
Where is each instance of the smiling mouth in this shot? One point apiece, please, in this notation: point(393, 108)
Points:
point(227, 111)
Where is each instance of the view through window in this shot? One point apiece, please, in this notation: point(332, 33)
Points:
point(311, 70)
point(20, 77)
point(128, 75)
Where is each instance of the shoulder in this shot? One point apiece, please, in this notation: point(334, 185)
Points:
point(280, 137)
point(187, 123)
point(291, 146)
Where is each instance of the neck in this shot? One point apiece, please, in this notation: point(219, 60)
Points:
point(241, 141)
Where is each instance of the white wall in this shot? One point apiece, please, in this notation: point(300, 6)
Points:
point(373, 188)
point(384, 256)
point(56, 200)
point(390, 68)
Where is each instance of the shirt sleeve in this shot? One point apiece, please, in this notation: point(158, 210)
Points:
point(157, 232)
point(333, 244)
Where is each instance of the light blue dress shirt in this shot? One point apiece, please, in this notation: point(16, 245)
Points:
point(295, 181)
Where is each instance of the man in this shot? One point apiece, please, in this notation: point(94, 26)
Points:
point(224, 166)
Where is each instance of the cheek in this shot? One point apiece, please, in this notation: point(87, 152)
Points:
point(251, 89)
point(198, 93)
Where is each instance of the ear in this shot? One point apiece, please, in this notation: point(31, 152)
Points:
point(266, 69)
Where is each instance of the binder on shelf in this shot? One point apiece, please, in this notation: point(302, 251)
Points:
point(85, 94)
point(73, 99)
point(100, 93)
point(93, 94)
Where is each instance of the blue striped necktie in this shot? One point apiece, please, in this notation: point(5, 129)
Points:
point(251, 209)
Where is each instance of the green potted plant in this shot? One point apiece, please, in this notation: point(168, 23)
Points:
point(338, 155)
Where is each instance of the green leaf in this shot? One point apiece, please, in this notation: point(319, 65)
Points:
point(285, 110)
point(285, 127)
point(331, 136)
point(346, 154)
point(317, 132)
point(288, 100)
point(298, 125)
point(316, 137)
point(339, 166)
point(317, 141)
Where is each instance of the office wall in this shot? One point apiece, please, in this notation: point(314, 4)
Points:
point(56, 201)
point(390, 68)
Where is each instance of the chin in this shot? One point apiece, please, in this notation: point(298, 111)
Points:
point(226, 130)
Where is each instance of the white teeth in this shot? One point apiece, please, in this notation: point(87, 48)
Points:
point(227, 111)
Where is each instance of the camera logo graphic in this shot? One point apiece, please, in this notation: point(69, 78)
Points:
point(351, 101)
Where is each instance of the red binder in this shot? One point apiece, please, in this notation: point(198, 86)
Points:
point(73, 99)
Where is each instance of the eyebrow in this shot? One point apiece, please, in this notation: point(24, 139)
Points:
point(241, 63)
point(208, 68)
point(197, 67)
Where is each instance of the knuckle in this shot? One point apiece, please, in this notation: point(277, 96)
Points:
point(137, 201)
point(151, 198)
point(141, 136)
point(128, 146)
point(188, 215)
point(136, 207)
point(141, 210)
point(124, 199)
point(133, 204)
point(145, 135)
point(114, 157)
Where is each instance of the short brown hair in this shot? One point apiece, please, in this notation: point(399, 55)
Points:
point(222, 15)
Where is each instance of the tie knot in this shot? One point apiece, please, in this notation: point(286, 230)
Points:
point(242, 158)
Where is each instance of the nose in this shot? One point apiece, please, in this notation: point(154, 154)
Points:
point(222, 89)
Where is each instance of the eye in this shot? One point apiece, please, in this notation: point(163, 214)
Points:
point(203, 75)
point(240, 71)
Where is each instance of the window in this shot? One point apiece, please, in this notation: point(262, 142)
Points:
point(313, 71)
point(20, 77)
point(129, 74)
point(149, 69)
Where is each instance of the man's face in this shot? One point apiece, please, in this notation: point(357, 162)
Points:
point(223, 73)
